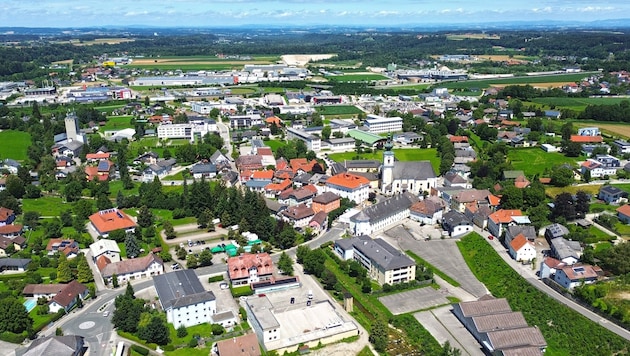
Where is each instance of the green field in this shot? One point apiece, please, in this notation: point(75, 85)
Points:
point(46, 206)
point(577, 104)
point(117, 123)
point(356, 77)
point(535, 161)
point(486, 83)
point(108, 108)
point(405, 155)
point(338, 110)
point(14, 144)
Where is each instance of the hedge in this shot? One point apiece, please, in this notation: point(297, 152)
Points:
point(218, 278)
point(13, 337)
point(133, 337)
point(139, 349)
point(241, 291)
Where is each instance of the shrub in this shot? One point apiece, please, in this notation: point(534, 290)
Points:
point(241, 291)
point(12, 337)
point(193, 343)
point(168, 347)
point(139, 349)
point(217, 329)
point(218, 278)
point(181, 331)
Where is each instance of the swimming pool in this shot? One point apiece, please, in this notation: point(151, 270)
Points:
point(30, 304)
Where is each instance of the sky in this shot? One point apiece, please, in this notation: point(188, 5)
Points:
point(222, 13)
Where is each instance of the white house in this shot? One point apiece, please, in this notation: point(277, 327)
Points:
point(351, 186)
point(184, 299)
point(380, 124)
point(105, 247)
point(521, 249)
point(131, 269)
point(382, 214)
point(572, 276)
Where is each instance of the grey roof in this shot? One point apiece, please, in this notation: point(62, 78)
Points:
point(325, 198)
point(386, 208)
point(257, 183)
point(203, 168)
point(527, 230)
point(303, 178)
point(611, 190)
point(14, 262)
point(455, 218)
point(454, 178)
point(379, 252)
point(337, 168)
point(504, 339)
point(501, 321)
point(413, 170)
point(485, 307)
point(274, 206)
point(67, 345)
point(556, 230)
point(565, 248)
point(362, 164)
point(180, 288)
point(218, 156)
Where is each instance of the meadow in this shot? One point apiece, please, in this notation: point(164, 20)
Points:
point(197, 62)
point(614, 130)
point(536, 161)
point(407, 154)
point(362, 77)
point(577, 104)
point(117, 123)
point(338, 110)
point(14, 144)
point(46, 206)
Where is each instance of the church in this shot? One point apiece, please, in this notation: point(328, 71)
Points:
point(399, 177)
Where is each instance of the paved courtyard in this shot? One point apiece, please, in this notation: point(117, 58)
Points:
point(444, 326)
point(417, 299)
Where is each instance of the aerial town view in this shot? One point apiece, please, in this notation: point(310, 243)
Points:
point(326, 178)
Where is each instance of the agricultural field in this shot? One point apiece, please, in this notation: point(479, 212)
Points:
point(338, 110)
point(359, 77)
point(108, 108)
point(472, 36)
point(536, 161)
point(411, 154)
point(538, 81)
point(117, 123)
point(592, 189)
point(196, 63)
point(110, 41)
point(615, 130)
point(14, 144)
point(577, 104)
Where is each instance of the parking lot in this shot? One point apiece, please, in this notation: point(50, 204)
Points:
point(444, 326)
point(417, 299)
point(442, 254)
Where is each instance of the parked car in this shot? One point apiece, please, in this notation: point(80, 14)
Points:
point(106, 313)
point(490, 237)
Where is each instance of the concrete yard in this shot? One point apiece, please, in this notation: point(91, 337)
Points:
point(444, 326)
point(417, 299)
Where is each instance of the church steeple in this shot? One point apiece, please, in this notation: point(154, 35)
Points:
point(388, 145)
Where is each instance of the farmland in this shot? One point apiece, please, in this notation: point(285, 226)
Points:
point(534, 160)
point(196, 63)
point(558, 79)
point(14, 144)
point(577, 104)
point(359, 77)
point(610, 129)
point(412, 154)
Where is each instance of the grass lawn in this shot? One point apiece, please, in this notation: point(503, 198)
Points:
point(117, 185)
point(108, 108)
point(356, 77)
point(590, 189)
point(602, 246)
point(14, 144)
point(243, 91)
point(176, 176)
point(623, 229)
point(533, 160)
point(117, 123)
point(599, 234)
point(189, 352)
point(405, 155)
point(338, 110)
point(46, 206)
point(275, 144)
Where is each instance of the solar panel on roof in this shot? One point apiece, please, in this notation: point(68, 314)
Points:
point(103, 165)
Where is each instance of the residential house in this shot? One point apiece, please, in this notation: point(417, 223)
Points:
point(272, 190)
point(384, 263)
point(463, 198)
point(11, 231)
point(147, 158)
point(351, 186)
point(107, 248)
point(37, 291)
point(298, 215)
point(183, 298)
point(456, 223)
point(549, 266)
point(249, 162)
point(302, 195)
point(611, 194)
point(106, 221)
point(596, 169)
point(14, 243)
point(7, 216)
point(571, 276)
point(566, 251)
point(249, 268)
point(452, 179)
point(521, 249)
point(71, 149)
point(586, 139)
point(160, 170)
point(623, 213)
point(126, 270)
point(623, 146)
point(319, 222)
point(428, 211)
point(101, 172)
point(326, 202)
point(14, 264)
point(68, 297)
point(245, 345)
point(67, 345)
point(382, 214)
point(362, 165)
point(555, 230)
point(219, 160)
point(526, 230)
point(68, 247)
point(501, 219)
point(204, 170)
point(10, 165)
point(608, 161)
point(589, 131)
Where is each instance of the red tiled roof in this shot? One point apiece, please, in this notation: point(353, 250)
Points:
point(298, 212)
point(246, 345)
point(10, 229)
point(97, 155)
point(132, 265)
point(504, 216)
point(69, 294)
point(238, 267)
point(274, 120)
point(278, 187)
point(102, 261)
point(544, 180)
point(458, 139)
point(264, 151)
point(586, 139)
point(348, 180)
point(5, 213)
point(263, 175)
point(518, 242)
point(521, 182)
point(624, 209)
point(112, 219)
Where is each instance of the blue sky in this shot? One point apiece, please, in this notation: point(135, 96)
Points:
point(211, 13)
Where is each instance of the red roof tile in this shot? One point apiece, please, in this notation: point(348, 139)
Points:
point(112, 219)
point(518, 242)
point(624, 209)
point(586, 139)
point(348, 180)
point(238, 267)
point(504, 216)
point(5, 213)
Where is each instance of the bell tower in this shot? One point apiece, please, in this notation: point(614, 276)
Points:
point(387, 173)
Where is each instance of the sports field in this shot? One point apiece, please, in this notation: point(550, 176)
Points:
point(338, 110)
point(405, 154)
point(14, 144)
point(535, 161)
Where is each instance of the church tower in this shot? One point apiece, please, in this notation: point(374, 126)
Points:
point(387, 173)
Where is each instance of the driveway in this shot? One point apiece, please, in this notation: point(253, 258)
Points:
point(417, 299)
point(444, 326)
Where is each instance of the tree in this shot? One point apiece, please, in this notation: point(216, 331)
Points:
point(129, 292)
point(204, 217)
point(566, 130)
point(33, 191)
point(564, 206)
point(15, 186)
point(562, 176)
point(326, 131)
point(572, 149)
point(301, 253)
point(217, 329)
point(205, 258)
point(145, 217)
point(31, 219)
point(72, 191)
point(103, 202)
point(118, 235)
point(181, 331)
point(64, 273)
point(131, 246)
point(169, 231)
point(156, 331)
point(13, 316)
point(84, 273)
point(329, 279)
point(511, 198)
point(52, 229)
point(286, 238)
point(115, 280)
point(314, 262)
point(127, 314)
point(582, 203)
point(378, 335)
point(66, 218)
point(285, 263)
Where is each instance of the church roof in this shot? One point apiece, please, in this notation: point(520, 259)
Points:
point(418, 170)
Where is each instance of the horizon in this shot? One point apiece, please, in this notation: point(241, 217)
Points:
point(302, 13)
